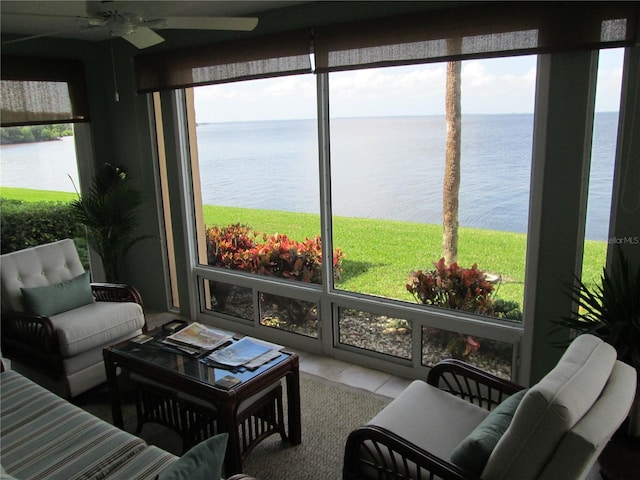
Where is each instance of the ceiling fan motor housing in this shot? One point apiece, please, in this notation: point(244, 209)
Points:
point(121, 25)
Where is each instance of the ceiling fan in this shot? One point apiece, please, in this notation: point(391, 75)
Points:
point(122, 19)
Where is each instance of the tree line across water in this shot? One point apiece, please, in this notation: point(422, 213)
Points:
point(34, 133)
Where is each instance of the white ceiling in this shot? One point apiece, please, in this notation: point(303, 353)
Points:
point(58, 18)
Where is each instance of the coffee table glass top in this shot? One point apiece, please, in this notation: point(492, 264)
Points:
point(166, 357)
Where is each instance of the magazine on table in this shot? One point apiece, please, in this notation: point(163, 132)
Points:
point(244, 352)
point(199, 336)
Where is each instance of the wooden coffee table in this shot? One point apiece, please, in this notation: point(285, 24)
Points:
point(184, 389)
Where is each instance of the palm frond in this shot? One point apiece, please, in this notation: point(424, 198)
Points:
point(110, 213)
point(610, 309)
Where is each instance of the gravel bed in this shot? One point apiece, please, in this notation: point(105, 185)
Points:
point(382, 334)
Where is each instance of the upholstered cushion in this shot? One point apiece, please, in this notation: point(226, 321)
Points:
point(582, 445)
point(44, 436)
point(53, 299)
point(96, 324)
point(37, 267)
point(4, 475)
point(202, 462)
point(145, 464)
point(430, 418)
point(550, 409)
point(474, 451)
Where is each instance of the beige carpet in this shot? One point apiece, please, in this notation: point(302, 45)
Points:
point(329, 412)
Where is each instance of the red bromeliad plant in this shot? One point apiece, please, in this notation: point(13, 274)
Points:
point(237, 247)
point(226, 244)
point(456, 288)
point(282, 257)
point(453, 287)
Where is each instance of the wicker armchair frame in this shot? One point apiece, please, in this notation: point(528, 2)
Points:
point(375, 452)
point(33, 341)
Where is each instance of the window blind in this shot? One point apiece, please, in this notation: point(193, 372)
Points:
point(38, 91)
point(483, 29)
point(445, 32)
point(257, 57)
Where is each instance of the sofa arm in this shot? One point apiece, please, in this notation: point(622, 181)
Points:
point(375, 452)
point(116, 292)
point(471, 383)
point(33, 340)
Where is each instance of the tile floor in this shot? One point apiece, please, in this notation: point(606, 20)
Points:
point(353, 375)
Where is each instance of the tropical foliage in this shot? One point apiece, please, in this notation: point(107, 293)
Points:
point(454, 287)
point(611, 309)
point(237, 247)
point(458, 288)
point(109, 211)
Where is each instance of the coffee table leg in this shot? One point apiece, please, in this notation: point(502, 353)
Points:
point(293, 400)
point(233, 457)
point(114, 391)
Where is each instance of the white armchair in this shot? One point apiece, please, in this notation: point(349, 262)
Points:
point(55, 323)
point(458, 425)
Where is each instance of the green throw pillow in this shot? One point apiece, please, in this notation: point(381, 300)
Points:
point(474, 451)
point(202, 462)
point(58, 298)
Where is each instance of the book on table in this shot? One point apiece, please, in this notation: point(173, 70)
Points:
point(244, 352)
point(199, 337)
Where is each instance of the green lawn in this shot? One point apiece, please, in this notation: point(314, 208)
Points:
point(28, 195)
point(381, 253)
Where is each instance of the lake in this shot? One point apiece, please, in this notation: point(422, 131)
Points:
point(385, 167)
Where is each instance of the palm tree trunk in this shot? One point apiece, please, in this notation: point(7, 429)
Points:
point(451, 183)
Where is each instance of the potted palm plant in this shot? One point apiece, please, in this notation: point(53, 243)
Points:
point(610, 310)
point(109, 211)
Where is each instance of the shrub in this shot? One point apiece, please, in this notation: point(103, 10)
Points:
point(453, 287)
point(507, 309)
point(237, 247)
point(27, 224)
point(225, 245)
point(457, 288)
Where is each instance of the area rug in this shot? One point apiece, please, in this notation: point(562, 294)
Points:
point(329, 412)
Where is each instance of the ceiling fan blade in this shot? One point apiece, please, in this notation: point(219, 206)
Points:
point(243, 24)
point(48, 34)
point(143, 37)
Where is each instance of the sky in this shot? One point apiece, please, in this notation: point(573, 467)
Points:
point(491, 86)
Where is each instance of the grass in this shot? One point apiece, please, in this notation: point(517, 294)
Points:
point(381, 253)
point(28, 195)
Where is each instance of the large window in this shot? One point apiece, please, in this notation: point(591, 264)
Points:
point(603, 152)
point(388, 149)
point(325, 205)
point(39, 157)
point(258, 165)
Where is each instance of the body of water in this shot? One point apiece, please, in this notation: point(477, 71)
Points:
point(387, 168)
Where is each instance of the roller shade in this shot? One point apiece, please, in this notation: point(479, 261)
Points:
point(38, 91)
point(476, 31)
point(257, 57)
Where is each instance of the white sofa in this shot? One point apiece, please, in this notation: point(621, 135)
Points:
point(554, 430)
point(55, 323)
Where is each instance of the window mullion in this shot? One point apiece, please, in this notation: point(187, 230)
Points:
point(324, 159)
